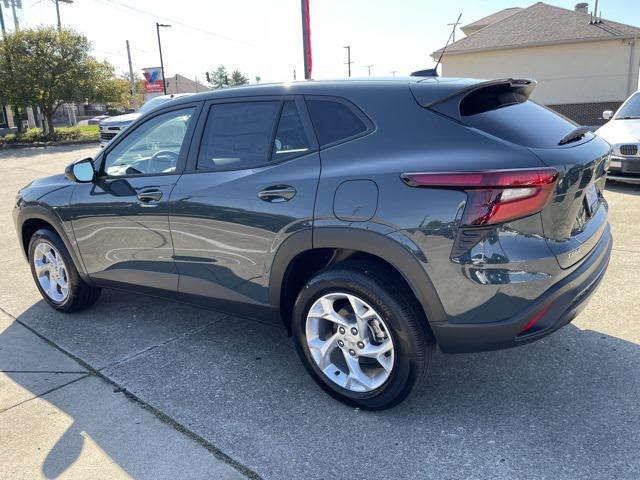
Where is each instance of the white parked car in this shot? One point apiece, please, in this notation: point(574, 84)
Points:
point(622, 131)
point(111, 126)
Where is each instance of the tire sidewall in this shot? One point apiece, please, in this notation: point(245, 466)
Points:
point(73, 278)
point(404, 372)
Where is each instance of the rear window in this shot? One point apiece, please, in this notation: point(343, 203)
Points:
point(510, 116)
point(334, 121)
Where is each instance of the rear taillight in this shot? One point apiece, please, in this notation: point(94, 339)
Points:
point(494, 196)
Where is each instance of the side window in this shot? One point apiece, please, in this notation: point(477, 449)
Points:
point(153, 147)
point(238, 135)
point(290, 138)
point(333, 121)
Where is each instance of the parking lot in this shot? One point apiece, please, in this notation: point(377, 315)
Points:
point(564, 407)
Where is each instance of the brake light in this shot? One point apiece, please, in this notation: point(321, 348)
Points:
point(494, 196)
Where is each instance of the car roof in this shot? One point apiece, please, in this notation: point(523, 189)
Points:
point(332, 87)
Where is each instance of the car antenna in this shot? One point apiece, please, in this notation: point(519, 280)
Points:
point(453, 31)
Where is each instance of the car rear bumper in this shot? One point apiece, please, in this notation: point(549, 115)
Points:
point(558, 306)
point(624, 169)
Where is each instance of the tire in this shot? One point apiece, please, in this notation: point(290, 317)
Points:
point(367, 286)
point(45, 245)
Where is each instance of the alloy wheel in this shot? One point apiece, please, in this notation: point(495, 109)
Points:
point(349, 342)
point(51, 272)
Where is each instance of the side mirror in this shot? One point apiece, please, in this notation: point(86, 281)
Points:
point(607, 114)
point(81, 171)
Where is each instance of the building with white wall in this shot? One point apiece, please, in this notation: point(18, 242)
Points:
point(583, 65)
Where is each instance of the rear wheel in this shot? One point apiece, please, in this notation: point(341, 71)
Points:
point(56, 275)
point(362, 339)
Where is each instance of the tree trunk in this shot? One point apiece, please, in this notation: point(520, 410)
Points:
point(16, 119)
point(48, 124)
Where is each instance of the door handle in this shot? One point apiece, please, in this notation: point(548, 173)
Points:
point(277, 193)
point(151, 195)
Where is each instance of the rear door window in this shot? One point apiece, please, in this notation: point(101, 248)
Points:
point(238, 135)
point(334, 121)
point(290, 139)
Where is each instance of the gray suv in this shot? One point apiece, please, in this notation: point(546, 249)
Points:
point(375, 219)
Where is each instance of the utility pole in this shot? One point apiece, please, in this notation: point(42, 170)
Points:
point(164, 83)
point(58, 11)
point(131, 79)
point(306, 39)
point(368, 67)
point(349, 62)
point(393, 72)
point(15, 4)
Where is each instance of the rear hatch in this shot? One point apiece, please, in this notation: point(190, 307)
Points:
point(575, 219)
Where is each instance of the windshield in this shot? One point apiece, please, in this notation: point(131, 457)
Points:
point(631, 109)
point(153, 103)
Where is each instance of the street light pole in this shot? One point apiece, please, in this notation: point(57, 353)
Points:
point(368, 67)
point(164, 83)
point(349, 62)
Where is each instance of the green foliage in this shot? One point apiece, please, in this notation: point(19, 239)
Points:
point(220, 78)
point(47, 68)
point(237, 78)
point(62, 134)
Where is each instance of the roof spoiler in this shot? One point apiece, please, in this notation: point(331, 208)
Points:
point(481, 96)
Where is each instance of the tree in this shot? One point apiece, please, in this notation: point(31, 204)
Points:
point(220, 78)
point(258, 78)
point(237, 78)
point(48, 68)
point(123, 97)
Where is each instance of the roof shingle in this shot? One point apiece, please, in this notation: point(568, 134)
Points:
point(539, 24)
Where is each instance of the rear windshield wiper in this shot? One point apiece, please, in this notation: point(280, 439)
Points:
point(574, 135)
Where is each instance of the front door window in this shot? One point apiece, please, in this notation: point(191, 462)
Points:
point(154, 147)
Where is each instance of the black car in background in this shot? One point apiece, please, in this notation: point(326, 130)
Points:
point(374, 218)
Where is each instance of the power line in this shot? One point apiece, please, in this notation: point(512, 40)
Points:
point(182, 24)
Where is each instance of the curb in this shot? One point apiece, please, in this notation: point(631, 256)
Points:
point(11, 146)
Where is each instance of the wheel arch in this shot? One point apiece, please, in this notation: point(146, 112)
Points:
point(295, 263)
point(32, 219)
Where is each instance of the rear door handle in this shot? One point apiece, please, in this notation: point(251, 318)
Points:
point(277, 193)
point(151, 195)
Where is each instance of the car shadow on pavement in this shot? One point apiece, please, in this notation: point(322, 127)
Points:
point(564, 407)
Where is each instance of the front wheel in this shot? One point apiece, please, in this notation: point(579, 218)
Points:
point(362, 339)
point(56, 275)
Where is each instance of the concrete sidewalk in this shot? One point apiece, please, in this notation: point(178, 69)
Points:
point(59, 419)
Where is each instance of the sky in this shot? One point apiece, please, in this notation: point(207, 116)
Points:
point(263, 38)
